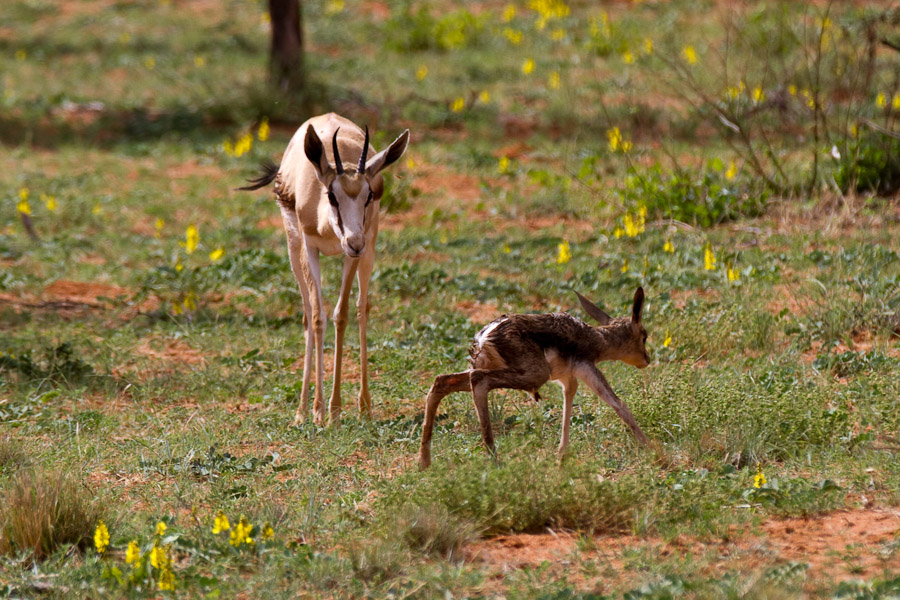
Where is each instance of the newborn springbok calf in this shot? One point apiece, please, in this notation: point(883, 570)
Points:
point(523, 352)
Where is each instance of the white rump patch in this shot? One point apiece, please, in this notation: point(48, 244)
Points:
point(484, 354)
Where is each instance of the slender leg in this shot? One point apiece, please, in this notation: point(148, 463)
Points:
point(364, 274)
point(297, 254)
point(483, 381)
point(595, 380)
point(313, 278)
point(570, 386)
point(340, 326)
point(443, 385)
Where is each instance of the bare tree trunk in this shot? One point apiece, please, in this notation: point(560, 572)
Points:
point(286, 65)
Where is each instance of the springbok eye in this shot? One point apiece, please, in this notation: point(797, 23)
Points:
point(331, 199)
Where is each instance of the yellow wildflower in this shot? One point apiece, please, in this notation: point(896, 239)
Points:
point(217, 254)
point(689, 54)
point(23, 207)
point(709, 258)
point(732, 273)
point(240, 533)
point(49, 202)
point(506, 248)
point(565, 254)
point(513, 35)
point(166, 580)
point(334, 7)
point(199, 61)
point(243, 144)
point(648, 46)
point(191, 239)
point(124, 38)
point(228, 148)
point(23, 193)
point(160, 528)
point(190, 301)
point(617, 232)
point(554, 82)
point(731, 171)
point(221, 523)
point(625, 266)
point(880, 100)
point(421, 72)
point(444, 239)
point(895, 102)
point(528, 66)
point(159, 557)
point(668, 247)
point(159, 226)
point(668, 341)
point(267, 532)
point(150, 62)
point(458, 105)
point(133, 553)
point(631, 229)
point(616, 141)
point(262, 132)
point(265, 18)
point(759, 479)
point(758, 94)
point(101, 537)
point(558, 35)
point(628, 57)
point(97, 209)
point(509, 13)
point(484, 97)
point(503, 164)
point(792, 90)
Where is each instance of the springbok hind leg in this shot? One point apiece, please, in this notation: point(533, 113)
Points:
point(483, 381)
point(296, 252)
point(442, 386)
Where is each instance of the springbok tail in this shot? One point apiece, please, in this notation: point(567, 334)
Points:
point(267, 176)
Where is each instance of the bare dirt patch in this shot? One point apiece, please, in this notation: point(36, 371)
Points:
point(839, 546)
point(171, 352)
point(479, 313)
point(91, 293)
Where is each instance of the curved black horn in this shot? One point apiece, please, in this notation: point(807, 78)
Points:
point(362, 157)
point(337, 155)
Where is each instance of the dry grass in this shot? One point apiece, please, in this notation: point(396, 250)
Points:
point(41, 512)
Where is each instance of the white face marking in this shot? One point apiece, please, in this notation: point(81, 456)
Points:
point(348, 218)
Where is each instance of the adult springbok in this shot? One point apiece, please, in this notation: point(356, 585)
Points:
point(331, 210)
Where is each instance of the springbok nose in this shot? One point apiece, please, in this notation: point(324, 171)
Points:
point(356, 246)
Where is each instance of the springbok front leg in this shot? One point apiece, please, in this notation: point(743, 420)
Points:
point(442, 386)
point(364, 274)
point(595, 380)
point(296, 252)
point(340, 327)
point(312, 276)
point(570, 386)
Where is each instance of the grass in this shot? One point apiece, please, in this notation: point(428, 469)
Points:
point(163, 382)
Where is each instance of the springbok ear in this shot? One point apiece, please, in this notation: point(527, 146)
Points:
point(593, 310)
point(638, 306)
point(389, 156)
point(315, 152)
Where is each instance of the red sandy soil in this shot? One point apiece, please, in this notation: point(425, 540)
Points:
point(840, 546)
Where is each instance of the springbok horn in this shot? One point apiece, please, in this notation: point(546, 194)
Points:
point(362, 157)
point(337, 155)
